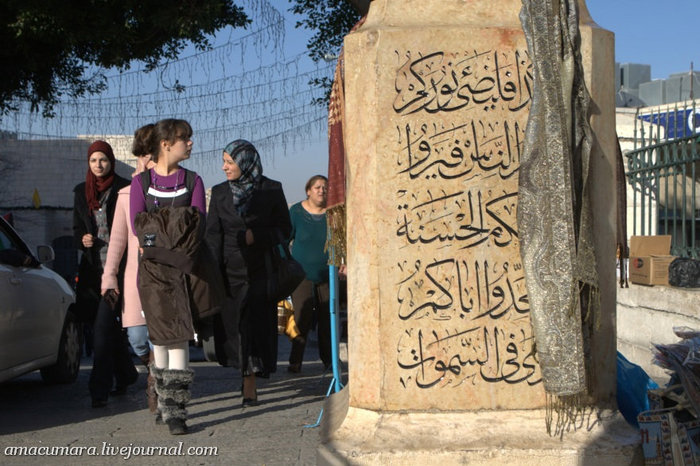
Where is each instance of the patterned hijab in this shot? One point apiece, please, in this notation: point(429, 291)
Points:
point(248, 160)
point(94, 185)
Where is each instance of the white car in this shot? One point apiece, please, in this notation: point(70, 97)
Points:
point(37, 328)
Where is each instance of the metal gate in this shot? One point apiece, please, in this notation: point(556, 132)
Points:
point(664, 172)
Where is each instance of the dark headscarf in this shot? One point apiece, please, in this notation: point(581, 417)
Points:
point(95, 185)
point(248, 160)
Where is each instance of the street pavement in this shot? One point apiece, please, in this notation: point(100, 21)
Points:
point(56, 424)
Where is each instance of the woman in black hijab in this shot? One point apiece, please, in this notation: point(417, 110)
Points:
point(248, 216)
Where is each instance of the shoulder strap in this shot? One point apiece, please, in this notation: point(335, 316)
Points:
point(190, 178)
point(145, 181)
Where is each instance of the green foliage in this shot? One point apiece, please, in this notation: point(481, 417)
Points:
point(331, 20)
point(48, 47)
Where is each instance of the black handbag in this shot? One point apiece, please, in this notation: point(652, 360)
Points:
point(284, 273)
point(684, 272)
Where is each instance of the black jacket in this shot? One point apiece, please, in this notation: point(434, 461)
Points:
point(246, 329)
point(90, 268)
point(267, 217)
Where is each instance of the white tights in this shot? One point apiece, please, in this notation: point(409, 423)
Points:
point(176, 356)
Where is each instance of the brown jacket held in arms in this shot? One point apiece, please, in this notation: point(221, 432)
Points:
point(177, 285)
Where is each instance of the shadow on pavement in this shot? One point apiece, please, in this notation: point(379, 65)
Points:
point(27, 404)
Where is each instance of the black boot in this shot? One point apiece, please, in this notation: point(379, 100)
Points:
point(173, 396)
point(150, 383)
point(157, 374)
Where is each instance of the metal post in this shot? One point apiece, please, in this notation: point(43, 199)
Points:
point(335, 385)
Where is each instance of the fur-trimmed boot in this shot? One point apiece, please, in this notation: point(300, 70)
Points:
point(173, 396)
point(151, 395)
point(156, 373)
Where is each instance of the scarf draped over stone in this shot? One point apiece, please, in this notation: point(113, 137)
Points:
point(554, 217)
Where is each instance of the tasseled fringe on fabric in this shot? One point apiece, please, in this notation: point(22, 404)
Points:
point(336, 237)
point(569, 413)
point(590, 305)
point(622, 260)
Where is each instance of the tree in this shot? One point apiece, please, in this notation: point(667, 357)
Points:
point(49, 48)
point(332, 20)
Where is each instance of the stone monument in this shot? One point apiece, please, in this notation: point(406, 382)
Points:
point(442, 358)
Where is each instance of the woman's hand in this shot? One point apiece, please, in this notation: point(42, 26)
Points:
point(249, 237)
point(111, 297)
point(88, 240)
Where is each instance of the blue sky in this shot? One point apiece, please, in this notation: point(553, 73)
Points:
point(661, 34)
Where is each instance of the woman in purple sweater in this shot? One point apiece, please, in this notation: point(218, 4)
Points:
point(169, 185)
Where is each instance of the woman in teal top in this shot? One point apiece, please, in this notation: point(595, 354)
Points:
point(310, 299)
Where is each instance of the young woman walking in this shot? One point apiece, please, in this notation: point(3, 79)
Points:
point(248, 216)
point(311, 298)
point(167, 208)
point(93, 212)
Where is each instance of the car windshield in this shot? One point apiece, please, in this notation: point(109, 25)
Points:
point(13, 251)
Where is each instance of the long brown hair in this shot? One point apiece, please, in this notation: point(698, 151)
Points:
point(142, 136)
point(169, 130)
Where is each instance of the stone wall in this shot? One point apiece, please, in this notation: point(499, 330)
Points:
point(647, 315)
point(52, 168)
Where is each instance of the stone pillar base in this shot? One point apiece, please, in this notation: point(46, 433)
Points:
point(485, 438)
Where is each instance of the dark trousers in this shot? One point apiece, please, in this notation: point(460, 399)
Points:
point(310, 303)
point(258, 331)
point(111, 360)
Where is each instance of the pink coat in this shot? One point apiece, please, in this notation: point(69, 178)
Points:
point(121, 238)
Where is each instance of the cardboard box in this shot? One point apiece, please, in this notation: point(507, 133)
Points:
point(649, 259)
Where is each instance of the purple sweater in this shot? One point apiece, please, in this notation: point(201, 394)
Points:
point(137, 200)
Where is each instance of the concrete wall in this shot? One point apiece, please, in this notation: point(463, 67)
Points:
point(646, 315)
point(51, 168)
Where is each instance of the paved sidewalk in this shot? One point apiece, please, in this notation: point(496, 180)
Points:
point(33, 414)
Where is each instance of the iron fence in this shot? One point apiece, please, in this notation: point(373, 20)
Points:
point(664, 172)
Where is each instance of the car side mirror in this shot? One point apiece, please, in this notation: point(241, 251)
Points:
point(45, 254)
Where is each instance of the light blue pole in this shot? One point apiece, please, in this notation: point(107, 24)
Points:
point(333, 304)
point(335, 341)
